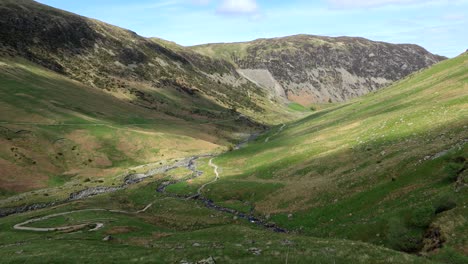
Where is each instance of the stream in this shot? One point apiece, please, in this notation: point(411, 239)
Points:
point(189, 163)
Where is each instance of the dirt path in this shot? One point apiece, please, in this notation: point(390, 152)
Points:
point(277, 132)
point(94, 226)
point(215, 168)
point(199, 191)
point(212, 205)
point(190, 164)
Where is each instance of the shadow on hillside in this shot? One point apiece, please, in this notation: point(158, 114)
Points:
point(361, 193)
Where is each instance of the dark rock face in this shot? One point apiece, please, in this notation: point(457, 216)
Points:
point(111, 58)
point(433, 239)
point(61, 41)
point(28, 27)
point(25, 208)
point(92, 192)
point(27, 31)
point(320, 69)
point(308, 68)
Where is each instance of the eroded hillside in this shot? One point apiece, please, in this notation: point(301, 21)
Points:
point(81, 98)
point(314, 69)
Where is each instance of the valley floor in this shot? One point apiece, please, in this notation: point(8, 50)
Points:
point(381, 179)
point(171, 228)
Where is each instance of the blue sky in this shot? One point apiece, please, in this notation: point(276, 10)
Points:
point(441, 26)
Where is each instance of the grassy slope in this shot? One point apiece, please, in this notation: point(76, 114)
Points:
point(225, 51)
point(169, 232)
point(53, 128)
point(125, 101)
point(169, 229)
point(363, 171)
point(333, 176)
point(157, 74)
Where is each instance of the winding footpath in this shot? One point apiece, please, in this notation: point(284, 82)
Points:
point(199, 191)
point(133, 179)
point(93, 226)
point(212, 205)
point(277, 132)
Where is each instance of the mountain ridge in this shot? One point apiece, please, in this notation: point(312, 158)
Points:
point(119, 148)
point(317, 69)
point(115, 59)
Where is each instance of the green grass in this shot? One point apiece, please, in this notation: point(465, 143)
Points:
point(6, 193)
point(172, 231)
point(58, 180)
point(109, 130)
point(358, 171)
point(241, 191)
point(298, 107)
point(354, 183)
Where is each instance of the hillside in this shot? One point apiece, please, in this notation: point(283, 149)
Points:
point(84, 99)
point(388, 168)
point(122, 63)
point(116, 148)
point(343, 185)
point(315, 69)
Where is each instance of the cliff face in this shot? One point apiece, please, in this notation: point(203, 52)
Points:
point(320, 69)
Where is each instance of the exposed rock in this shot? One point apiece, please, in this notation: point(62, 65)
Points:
point(134, 178)
point(255, 251)
point(108, 238)
point(209, 260)
point(321, 69)
point(25, 208)
point(265, 79)
point(92, 192)
point(111, 58)
point(433, 239)
point(217, 245)
point(457, 146)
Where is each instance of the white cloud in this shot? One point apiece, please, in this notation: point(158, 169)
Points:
point(379, 3)
point(238, 7)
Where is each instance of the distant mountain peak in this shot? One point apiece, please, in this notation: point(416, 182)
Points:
point(321, 69)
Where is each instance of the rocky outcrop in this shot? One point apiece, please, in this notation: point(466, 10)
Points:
point(321, 69)
point(25, 208)
point(92, 192)
point(130, 179)
point(433, 240)
point(111, 58)
point(265, 79)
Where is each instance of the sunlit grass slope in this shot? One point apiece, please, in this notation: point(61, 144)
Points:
point(171, 231)
point(53, 128)
point(388, 168)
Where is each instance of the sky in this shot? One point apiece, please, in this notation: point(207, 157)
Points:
point(440, 26)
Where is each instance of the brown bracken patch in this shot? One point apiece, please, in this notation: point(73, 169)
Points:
point(121, 230)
